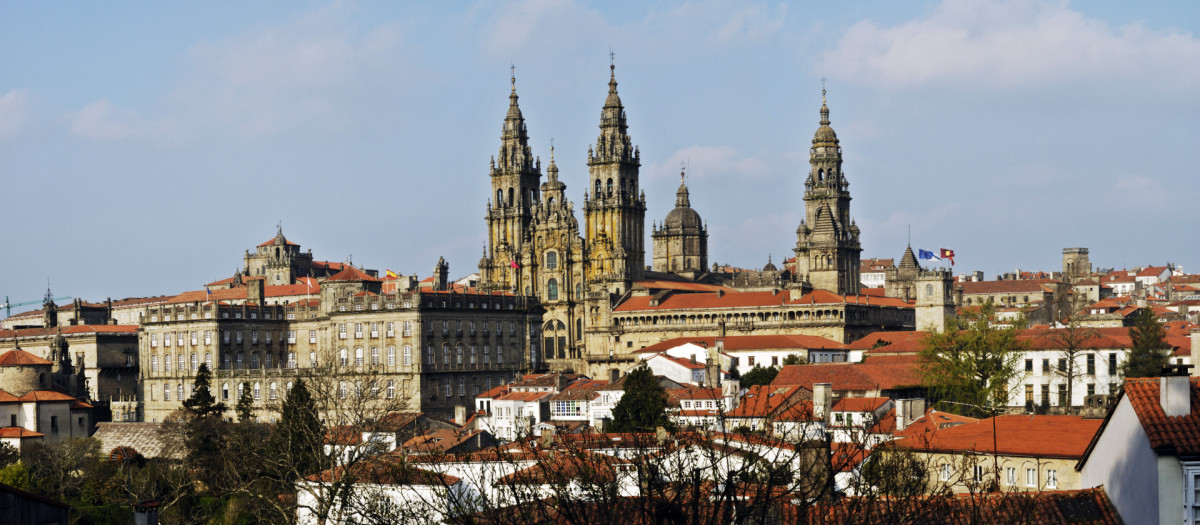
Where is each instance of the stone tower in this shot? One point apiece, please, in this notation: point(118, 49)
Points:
point(515, 175)
point(827, 247)
point(555, 270)
point(681, 242)
point(1076, 265)
point(279, 261)
point(900, 282)
point(615, 215)
point(935, 299)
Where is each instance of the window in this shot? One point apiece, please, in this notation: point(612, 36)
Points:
point(208, 360)
point(499, 355)
point(182, 364)
point(448, 391)
point(391, 389)
point(291, 337)
point(238, 337)
point(167, 339)
point(341, 330)
point(342, 357)
point(977, 473)
point(1062, 396)
point(407, 328)
point(180, 336)
point(291, 362)
point(312, 336)
point(208, 337)
point(1045, 395)
point(407, 355)
point(225, 391)
point(472, 354)
point(179, 390)
point(391, 329)
point(1010, 476)
point(551, 260)
point(750, 361)
point(1091, 365)
point(225, 337)
point(375, 355)
point(1191, 493)
point(487, 358)
point(1051, 479)
point(358, 356)
point(1062, 364)
point(391, 356)
point(429, 355)
point(268, 360)
point(1112, 364)
point(153, 365)
point(774, 360)
point(374, 329)
point(1091, 389)
point(254, 360)
point(458, 354)
point(552, 290)
point(358, 330)
point(312, 359)
point(944, 475)
point(1029, 396)
point(227, 358)
point(254, 337)
point(257, 391)
point(1045, 366)
point(462, 387)
point(153, 342)
point(195, 362)
point(1031, 477)
point(1029, 365)
point(445, 354)
point(166, 392)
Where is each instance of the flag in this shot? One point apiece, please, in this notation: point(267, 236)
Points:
point(391, 274)
point(926, 254)
point(207, 293)
point(948, 254)
point(513, 264)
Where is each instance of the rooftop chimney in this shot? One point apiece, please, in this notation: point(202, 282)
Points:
point(901, 414)
point(822, 402)
point(1175, 390)
point(255, 291)
point(460, 415)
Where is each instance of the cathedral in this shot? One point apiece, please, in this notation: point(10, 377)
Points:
point(602, 302)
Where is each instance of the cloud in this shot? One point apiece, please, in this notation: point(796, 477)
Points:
point(99, 120)
point(307, 70)
point(14, 112)
point(1013, 43)
point(712, 161)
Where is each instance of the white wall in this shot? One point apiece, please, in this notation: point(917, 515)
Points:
point(1123, 463)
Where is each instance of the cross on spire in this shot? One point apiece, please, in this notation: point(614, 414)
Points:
point(612, 66)
point(512, 68)
point(822, 90)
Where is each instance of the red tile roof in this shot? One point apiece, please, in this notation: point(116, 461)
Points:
point(45, 396)
point(892, 342)
point(687, 301)
point(272, 241)
point(1065, 437)
point(750, 342)
point(18, 357)
point(850, 376)
point(239, 293)
point(70, 330)
point(933, 420)
point(524, 396)
point(1178, 434)
point(768, 400)
point(18, 432)
point(494, 392)
point(654, 284)
point(352, 274)
point(6, 397)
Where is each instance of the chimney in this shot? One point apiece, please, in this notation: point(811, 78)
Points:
point(1175, 390)
point(255, 291)
point(460, 415)
point(1195, 340)
point(901, 414)
point(822, 402)
point(548, 436)
point(712, 365)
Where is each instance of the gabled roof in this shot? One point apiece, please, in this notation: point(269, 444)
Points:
point(1179, 434)
point(67, 331)
point(18, 433)
point(899, 342)
point(933, 420)
point(18, 357)
point(1064, 437)
point(1006, 286)
point(850, 376)
point(524, 396)
point(749, 342)
point(45, 396)
point(859, 404)
point(352, 274)
point(768, 400)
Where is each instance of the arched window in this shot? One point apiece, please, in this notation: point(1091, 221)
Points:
point(358, 356)
point(510, 197)
point(610, 188)
point(929, 290)
point(458, 354)
point(499, 198)
point(208, 360)
point(552, 290)
point(274, 392)
point(445, 354)
point(179, 389)
point(342, 358)
point(257, 391)
point(551, 260)
point(550, 201)
point(375, 355)
point(182, 363)
point(578, 292)
point(225, 391)
point(820, 175)
point(598, 194)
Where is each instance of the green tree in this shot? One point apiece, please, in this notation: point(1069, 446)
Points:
point(971, 362)
point(1150, 350)
point(643, 407)
point(202, 403)
point(296, 444)
point(794, 359)
point(759, 375)
point(245, 405)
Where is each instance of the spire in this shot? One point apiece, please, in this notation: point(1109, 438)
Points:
point(515, 154)
point(613, 142)
point(681, 195)
point(909, 261)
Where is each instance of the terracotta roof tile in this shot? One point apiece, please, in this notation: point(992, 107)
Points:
point(18, 432)
point(1180, 434)
point(1016, 435)
point(850, 376)
point(685, 301)
point(768, 400)
point(859, 404)
point(18, 357)
point(43, 396)
point(1006, 286)
point(906, 341)
point(933, 420)
point(352, 274)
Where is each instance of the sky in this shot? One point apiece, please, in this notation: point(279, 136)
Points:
point(145, 146)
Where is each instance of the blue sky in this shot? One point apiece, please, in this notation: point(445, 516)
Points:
point(144, 147)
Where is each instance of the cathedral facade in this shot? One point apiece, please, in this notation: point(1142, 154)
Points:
point(594, 282)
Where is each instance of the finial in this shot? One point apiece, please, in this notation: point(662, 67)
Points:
point(612, 66)
point(512, 68)
point(551, 151)
point(822, 90)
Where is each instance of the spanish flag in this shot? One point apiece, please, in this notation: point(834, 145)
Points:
point(391, 274)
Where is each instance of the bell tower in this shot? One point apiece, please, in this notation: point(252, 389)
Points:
point(615, 213)
point(515, 175)
point(827, 246)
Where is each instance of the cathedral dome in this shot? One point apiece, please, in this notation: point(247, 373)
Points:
point(683, 217)
point(824, 134)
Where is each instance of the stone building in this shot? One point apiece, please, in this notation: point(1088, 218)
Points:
point(681, 242)
point(603, 303)
point(429, 349)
